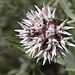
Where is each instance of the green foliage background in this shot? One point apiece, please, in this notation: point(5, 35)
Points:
point(13, 60)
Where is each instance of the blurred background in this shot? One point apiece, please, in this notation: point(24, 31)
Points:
point(12, 60)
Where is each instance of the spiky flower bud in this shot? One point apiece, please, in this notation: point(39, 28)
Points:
point(42, 36)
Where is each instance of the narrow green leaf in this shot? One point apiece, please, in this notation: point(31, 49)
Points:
point(67, 7)
point(15, 42)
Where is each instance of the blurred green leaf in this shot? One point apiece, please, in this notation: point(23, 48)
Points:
point(15, 42)
point(73, 3)
point(71, 72)
point(3, 21)
point(68, 8)
point(37, 71)
point(68, 62)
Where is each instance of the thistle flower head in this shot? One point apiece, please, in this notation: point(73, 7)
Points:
point(42, 36)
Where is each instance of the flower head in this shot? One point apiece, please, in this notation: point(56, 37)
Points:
point(42, 36)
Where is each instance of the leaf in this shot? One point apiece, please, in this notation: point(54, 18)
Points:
point(37, 71)
point(68, 8)
point(73, 3)
point(68, 62)
point(71, 72)
point(15, 42)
